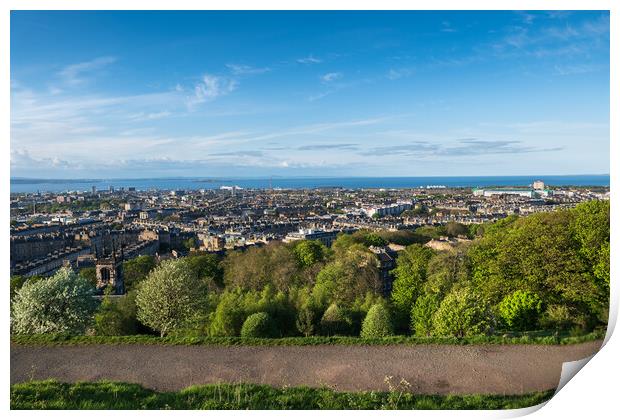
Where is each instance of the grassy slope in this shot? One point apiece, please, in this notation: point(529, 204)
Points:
point(116, 395)
point(531, 338)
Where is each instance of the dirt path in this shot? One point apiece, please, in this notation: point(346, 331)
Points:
point(430, 369)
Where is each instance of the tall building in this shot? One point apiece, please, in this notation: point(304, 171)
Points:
point(538, 185)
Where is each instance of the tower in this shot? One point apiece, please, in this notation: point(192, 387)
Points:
point(109, 272)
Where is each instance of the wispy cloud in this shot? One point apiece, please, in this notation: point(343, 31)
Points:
point(456, 148)
point(75, 74)
point(333, 146)
point(148, 116)
point(447, 27)
point(331, 77)
point(210, 88)
point(395, 74)
point(241, 69)
point(309, 60)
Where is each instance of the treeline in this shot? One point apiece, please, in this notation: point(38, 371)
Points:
point(544, 271)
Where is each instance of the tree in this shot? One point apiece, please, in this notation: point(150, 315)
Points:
point(456, 229)
point(422, 315)
point(335, 321)
point(62, 303)
point(352, 274)
point(258, 325)
point(137, 269)
point(461, 313)
point(378, 323)
point(206, 266)
point(228, 317)
point(520, 310)
point(306, 320)
point(309, 253)
point(170, 296)
point(90, 274)
point(116, 316)
point(255, 268)
point(410, 273)
point(445, 269)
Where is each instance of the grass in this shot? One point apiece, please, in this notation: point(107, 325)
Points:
point(539, 337)
point(124, 396)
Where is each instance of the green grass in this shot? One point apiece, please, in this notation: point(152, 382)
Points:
point(540, 337)
point(123, 396)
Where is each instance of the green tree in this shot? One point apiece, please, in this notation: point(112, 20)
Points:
point(378, 323)
point(62, 303)
point(461, 313)
point(259, 325)
point(456, 229)
point(309, 253)
point(520, 310)
point(228, 316)
point(352, 274)
point(306, 320)
point(116, 315)
point(90, 274)
point(207, 266)
point(336, 321)
point(170, 296)
point(137, 269)
point(422, 314)
point(410, 274)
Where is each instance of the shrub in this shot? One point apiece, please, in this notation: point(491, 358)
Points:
point(258, 325)
point(62, 303)
point(116, 316)
point(461, 313)
point(378, 322)
point(306, 318)
point(520, 310)
point(558, 316)
point(170, 296)
point(228, 316)
point(422, 315)
point(335, 321)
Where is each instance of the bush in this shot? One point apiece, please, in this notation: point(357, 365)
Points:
point(259, 325)
point(116, 316)
point(306, 319)
point(336, 321)
point(62, 303)
point(378, 322)
point(520, 310)
point(558, 316)
point(170, 296)
point(462, 313)
point(422, 315)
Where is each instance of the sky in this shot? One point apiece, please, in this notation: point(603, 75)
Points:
point(253, 94)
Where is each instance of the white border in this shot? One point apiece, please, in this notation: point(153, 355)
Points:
point(592, 394)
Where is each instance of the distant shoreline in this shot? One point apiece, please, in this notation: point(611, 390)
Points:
point(26, 185)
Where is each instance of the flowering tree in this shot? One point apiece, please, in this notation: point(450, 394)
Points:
point(62, 303)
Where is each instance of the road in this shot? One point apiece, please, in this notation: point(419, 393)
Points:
point(430, 369)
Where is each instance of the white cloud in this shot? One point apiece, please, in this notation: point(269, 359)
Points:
point(210, 88)
point(309, 60)
point(74, 73)
point(395, 74)
point(330, 77)
point(144, 116)
point(240, 69)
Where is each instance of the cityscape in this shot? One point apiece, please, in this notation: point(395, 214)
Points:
point(79, 228)
point(306, 210)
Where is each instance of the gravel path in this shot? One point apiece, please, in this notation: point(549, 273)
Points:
point(431, 369)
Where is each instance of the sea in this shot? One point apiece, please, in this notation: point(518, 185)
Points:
point(31, 185)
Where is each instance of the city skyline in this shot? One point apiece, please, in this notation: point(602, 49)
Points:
point(160, 94)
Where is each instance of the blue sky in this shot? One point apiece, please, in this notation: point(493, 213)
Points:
point(143, 94)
